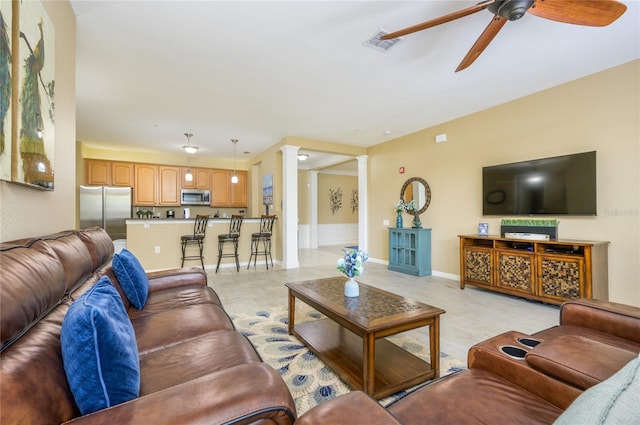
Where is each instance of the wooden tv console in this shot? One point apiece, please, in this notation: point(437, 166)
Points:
point(550, 271)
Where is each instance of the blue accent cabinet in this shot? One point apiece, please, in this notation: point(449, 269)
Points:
point(410, 251)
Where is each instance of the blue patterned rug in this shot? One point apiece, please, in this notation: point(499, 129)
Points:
point(307, 377)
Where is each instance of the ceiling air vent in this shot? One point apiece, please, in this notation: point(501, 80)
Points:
point(378, 44)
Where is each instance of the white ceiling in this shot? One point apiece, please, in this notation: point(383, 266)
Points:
point(147, 72)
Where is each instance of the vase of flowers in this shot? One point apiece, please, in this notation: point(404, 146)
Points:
point(412, 208)
point(398, 207)
point(352, 265)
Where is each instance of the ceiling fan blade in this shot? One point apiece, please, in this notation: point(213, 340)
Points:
point(437, 21)
point(596, 13)
point(496, 24)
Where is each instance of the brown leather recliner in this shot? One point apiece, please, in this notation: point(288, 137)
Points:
point(512, 378)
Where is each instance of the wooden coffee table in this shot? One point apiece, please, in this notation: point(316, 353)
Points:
point(350, 340)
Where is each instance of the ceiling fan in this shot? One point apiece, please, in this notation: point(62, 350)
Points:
point(596, 13)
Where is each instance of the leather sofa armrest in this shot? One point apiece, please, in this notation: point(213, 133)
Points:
point(605, 316)
point(174, 278)
point(349, 409)
point(243, 394)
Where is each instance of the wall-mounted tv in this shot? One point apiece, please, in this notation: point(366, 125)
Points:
point(562, 185)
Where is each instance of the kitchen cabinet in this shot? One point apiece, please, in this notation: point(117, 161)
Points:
point(97, 172)
point(145, 181)
point(100, 172)
point(410, 251)
point(122, 174)
point(156, 184)
point(549, 271)
point(220, 185)
point(227, 194)
point(239, 190)
point(169, 185)
point(201, 178)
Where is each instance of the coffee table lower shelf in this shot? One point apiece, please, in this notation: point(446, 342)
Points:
point(342, 351)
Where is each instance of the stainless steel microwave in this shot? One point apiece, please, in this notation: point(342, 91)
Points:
point(195, 197)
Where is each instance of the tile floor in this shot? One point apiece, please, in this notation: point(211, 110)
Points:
point(472, 315)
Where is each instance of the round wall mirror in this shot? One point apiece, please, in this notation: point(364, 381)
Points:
point(417, 189)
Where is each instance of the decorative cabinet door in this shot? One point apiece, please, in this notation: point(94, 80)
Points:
point(478, 265)
point(98, 172)
point(202, 178)
point(169, 189)
point(184, 184)
point(561, 277)
point(146, 177)
point(220, 181)
point(122, 174)
point(239, 190)
point(516, 271)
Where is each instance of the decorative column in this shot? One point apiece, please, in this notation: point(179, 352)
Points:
point(363, 197)
point(290, 206)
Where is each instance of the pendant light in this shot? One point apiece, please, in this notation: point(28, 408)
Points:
point(188, 176)
point(234, 178)
point(188, 148)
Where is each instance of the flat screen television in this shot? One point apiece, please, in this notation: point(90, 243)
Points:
point(561, 185)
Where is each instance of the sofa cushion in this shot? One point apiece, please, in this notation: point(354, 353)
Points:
point(132, 278)
point(614, 401)
point(99, 350)
point(581, 362)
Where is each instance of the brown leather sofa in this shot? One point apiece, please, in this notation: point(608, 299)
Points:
point(533, 382)
point(194, 366)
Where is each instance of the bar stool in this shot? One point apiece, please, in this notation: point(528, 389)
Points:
point(197, 238)
point(233, 236)
point(264, 236)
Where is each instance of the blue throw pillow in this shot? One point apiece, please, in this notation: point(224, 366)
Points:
point(132, 278)
point(99, 350)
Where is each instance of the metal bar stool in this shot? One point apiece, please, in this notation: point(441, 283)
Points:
point(264, 236)
point(199, 230)
point(233, 236)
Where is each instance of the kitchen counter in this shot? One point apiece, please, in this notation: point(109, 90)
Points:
point(156, 241)
point(162, 219)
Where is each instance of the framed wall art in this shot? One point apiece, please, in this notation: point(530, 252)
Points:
point(28, 103)
point(5, 89)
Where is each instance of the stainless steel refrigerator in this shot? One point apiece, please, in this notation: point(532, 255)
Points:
point(106, 207)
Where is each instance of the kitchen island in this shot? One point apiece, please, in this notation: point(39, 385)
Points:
point(156, 242)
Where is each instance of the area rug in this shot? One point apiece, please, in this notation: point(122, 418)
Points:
point(309, 380)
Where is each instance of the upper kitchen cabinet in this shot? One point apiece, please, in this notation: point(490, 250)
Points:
point(145, 180)
point(122, 174)
point(201, 178)
point(108, 173)
point(239, 190)
point(97, 172)
point(169, 188)
point(227, 194)
point(220, 182)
